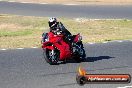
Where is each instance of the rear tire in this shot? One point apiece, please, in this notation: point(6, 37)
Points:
point(83, 56)
point(80, 56)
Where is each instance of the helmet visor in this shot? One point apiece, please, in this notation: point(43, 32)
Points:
point(52, 24)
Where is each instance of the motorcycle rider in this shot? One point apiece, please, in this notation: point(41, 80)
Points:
point(56, 26)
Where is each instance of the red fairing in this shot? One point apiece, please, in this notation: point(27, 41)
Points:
point(53, 38)
point(64, 50)
point(57, 41)
point(76, 38)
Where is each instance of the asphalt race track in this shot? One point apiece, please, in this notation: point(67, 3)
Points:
point(91, 11)
point(27, 68)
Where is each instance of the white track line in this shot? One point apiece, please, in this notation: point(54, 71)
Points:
point(19, 48)
point(40, 3)
point(34, 47)
point(120, 41)
point(125, 87)
point(33, 3)
point(10, 1)
point(105, 42)
point(91, 43)
point(43, 3)
point(27, 2)
point(24, 2)
point(2, 49)
point(70, 4)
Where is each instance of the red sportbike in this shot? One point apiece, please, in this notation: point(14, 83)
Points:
point(56, 49)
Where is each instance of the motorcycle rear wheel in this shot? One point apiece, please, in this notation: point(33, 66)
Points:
point(80, 56)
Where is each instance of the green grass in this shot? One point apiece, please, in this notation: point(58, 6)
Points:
point(17, 33)
point(25, 31)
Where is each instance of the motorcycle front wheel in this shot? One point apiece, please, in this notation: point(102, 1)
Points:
point(50, 57)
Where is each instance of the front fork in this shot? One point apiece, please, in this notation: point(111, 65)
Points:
point(52, 54)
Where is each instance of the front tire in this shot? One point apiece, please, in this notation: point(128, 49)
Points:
point(52, 60)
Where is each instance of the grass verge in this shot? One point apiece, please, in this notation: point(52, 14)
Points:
point(25, 31)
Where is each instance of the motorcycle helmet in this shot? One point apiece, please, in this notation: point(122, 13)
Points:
point(53, 23)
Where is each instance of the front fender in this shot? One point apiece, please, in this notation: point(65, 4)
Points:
point(47, 45)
